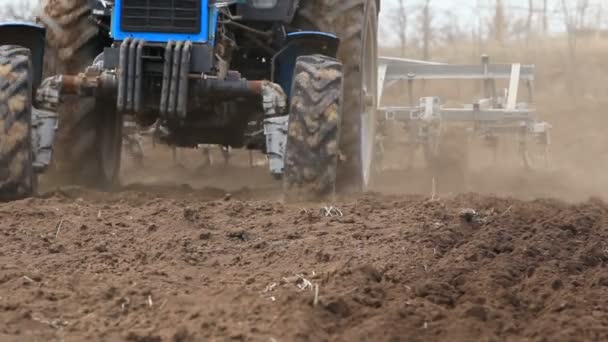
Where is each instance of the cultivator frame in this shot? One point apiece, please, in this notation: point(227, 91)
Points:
point(490, 118)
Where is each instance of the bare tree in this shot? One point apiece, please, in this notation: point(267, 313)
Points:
point(574, 23)
point(545, 16)
point(599, 19)
point(451, 31)
point(401, 21)
point(529, 21)
point(581, 9)
point(426, 30)
point(499, 22)
point(570, 24)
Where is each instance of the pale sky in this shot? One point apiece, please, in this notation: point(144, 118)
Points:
point(466, 13)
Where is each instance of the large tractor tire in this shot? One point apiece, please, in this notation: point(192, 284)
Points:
point(71, 36)
point(311, 155)
point(17, 176)
point(355, 22)
point(88, 144)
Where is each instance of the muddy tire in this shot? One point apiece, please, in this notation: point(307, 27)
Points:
point(90, 142)
point(355, 22)
point(17, 176)
point(311, 155)
point(73, 42)
point(70, 36)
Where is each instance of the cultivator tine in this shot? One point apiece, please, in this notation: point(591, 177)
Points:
point(226, 154)
point(207, 160)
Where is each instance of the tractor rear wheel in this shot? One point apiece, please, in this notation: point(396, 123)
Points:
point(355, 22)
point(70, 36)
point(17, 177)
point(90, 145)
point(311, 154)
point(87, 148)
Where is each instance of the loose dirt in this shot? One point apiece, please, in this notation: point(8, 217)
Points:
point(222, 260)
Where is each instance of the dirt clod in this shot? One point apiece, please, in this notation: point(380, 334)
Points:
point(204, 235)
point(478, 312)
point(101, 247)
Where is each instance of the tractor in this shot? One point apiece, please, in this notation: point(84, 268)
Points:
point(295, 79)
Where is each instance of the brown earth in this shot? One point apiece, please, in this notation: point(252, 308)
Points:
point(157, 261)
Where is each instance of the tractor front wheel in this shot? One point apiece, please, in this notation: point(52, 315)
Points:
point(311, 155)
point(91, 142)
point(17, 177)
point(355, 22)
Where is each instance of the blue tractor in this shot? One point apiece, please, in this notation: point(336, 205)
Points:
point(296, 79)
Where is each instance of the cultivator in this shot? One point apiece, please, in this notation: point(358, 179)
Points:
point(496, 118)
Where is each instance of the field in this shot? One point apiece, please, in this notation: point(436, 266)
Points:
point(188, 253)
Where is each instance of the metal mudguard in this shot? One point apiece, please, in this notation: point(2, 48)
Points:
point(300, 44)
point(30, 36)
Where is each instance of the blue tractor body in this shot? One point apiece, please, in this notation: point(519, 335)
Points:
point(196, 21)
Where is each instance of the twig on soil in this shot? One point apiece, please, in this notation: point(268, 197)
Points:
point(58, 228)
point(304, 283)
point(124, 304)
point(29, 280)
point(269, 288)
point(468, 215)
point(332, 211)
point(316, 300)
point(56, 323)
point(99, 214)
point(149, 300)
point(506, 211)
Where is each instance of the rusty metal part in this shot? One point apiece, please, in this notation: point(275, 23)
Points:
point(91, 83)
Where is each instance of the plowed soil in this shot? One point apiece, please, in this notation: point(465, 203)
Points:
point(163, 262)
